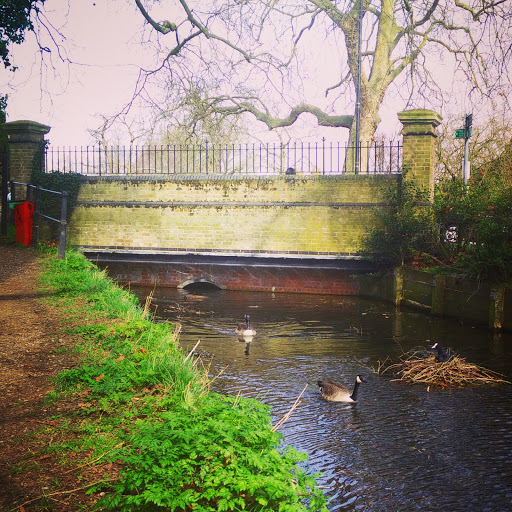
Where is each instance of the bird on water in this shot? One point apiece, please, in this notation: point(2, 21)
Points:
point(245, 331)
point(336, 392)
point(442, 356)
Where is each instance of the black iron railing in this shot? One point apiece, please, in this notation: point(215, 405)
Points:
point(322, 158)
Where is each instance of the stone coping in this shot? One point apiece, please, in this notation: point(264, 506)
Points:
point(236, 177)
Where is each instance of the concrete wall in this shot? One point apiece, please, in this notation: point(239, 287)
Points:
point(444, 295)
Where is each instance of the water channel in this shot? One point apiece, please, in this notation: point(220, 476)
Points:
point(400, 447)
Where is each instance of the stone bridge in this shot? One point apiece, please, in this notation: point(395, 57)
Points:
point(275, 233)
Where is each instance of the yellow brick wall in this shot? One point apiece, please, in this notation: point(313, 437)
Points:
point(361, 189)
point(321, 216)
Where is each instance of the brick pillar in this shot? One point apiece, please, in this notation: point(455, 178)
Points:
point(419, 134)
point(26, 148)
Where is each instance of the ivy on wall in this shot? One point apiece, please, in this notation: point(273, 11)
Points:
point(59, 182)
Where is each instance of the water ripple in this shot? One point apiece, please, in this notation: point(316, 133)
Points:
point(400, 448)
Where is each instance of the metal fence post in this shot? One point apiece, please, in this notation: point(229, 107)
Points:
point(63, 225)
point(4, 164)
point(99, 158)
point(37, 207)
point(206, 143)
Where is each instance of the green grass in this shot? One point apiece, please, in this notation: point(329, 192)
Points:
point(141, 403)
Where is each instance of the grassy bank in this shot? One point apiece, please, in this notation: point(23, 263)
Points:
point(152, 435)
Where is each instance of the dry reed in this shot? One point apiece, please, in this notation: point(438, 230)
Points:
point(285, 418)
point(418, 367)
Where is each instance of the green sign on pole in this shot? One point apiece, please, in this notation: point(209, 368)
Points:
point(461, 134)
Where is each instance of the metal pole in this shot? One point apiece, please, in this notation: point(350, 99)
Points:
point(5, 181)
point(63, 225)
point(358, 87)
point(35, 221)
point(465, 171)
point(468, 123)
point(323, 155)
point(99, 158)
point(206, 144)
point(4, 163)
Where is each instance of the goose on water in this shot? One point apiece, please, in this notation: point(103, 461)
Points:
point(245, 331)
point(335, 392)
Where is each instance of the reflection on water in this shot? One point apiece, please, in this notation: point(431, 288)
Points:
point(401, 447)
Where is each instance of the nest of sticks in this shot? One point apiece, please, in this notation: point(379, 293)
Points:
point(420, 367)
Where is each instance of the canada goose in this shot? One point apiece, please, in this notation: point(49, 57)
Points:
point(335, 392)
point(441, 356)
point(245, 331)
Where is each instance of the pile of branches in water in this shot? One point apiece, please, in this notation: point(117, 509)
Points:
point(420, 367)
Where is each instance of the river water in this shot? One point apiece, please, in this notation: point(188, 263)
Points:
point(400, 447)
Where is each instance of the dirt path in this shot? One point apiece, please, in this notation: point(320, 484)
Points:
point(29, 357)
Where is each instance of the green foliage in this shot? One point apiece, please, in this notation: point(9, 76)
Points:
point(3, 109)
point(59, 182)
point(221, 456)
point(405, 226)
point(497, 170)
point(468, 229)
point(14, 22)
point(128, 357)
point(145, 406)
point(74, 276)
point(125, 357)
point(476, 228)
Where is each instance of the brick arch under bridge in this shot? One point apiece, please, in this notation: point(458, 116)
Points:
point(237, 273)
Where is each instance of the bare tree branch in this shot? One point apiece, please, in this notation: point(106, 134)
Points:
point(164, 27)
point(210, 35)
point(248, 57)
point(487, 8)
point(272, 122)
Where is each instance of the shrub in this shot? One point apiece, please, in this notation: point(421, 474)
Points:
point(478, 219)
point(405, 229)
point(223, 455)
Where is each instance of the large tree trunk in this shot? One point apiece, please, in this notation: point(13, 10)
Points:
point(374, 84)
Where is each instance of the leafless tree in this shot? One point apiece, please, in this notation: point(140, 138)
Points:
point(271, 58)
point(488, 141)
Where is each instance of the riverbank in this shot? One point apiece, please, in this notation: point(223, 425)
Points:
point(103, 409)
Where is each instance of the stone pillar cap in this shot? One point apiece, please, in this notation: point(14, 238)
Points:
point(26, 126)
point(419, 121)
point(420, 115)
